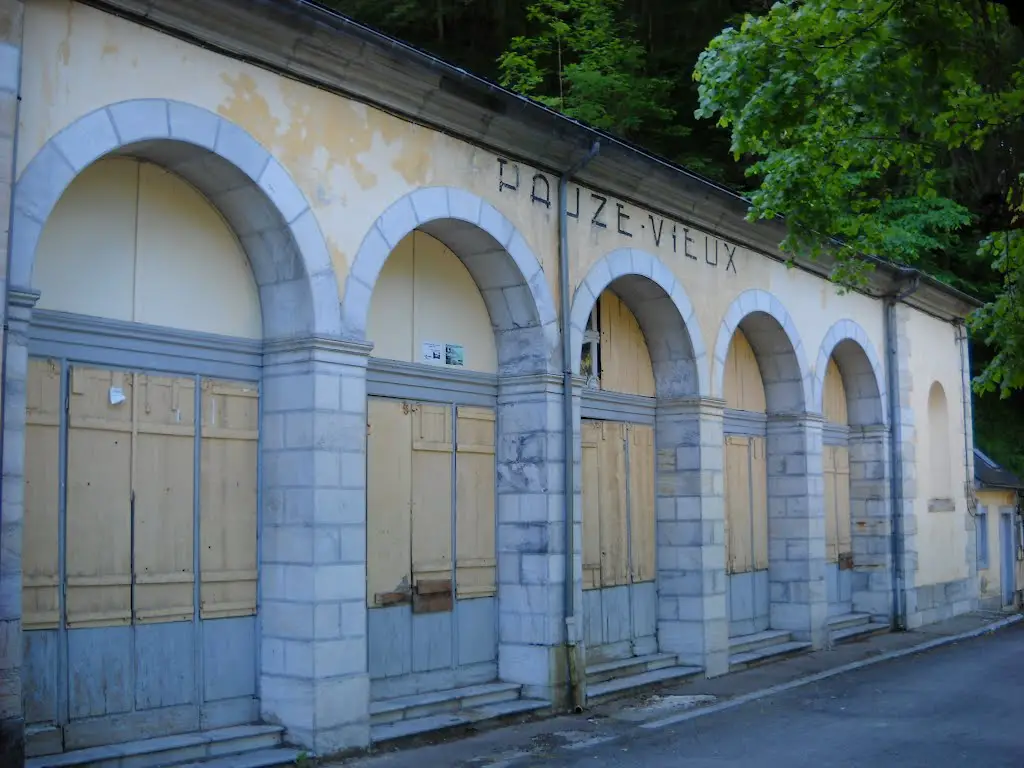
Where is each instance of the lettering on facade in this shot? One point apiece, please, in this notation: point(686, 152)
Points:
point(663, 233)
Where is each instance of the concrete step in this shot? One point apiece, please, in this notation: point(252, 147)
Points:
point(738, 661)
point(858, 631)
point(441, 702)
point(169, 750)
point(264, 758)
point(848, 620)
point(620, 686)
point(758, 640)
point(400, 729)
point(635, 665)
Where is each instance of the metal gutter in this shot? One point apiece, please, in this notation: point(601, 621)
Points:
point(899, 613)
point(575, 661)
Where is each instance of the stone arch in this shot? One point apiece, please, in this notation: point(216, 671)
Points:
point(508, 274)
point(777, 346)
point(253, 191)
point(663, 311)
point(862, 372)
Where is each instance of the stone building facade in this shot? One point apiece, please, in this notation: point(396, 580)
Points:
point(336, 378)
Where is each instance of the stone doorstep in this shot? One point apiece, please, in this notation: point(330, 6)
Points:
point(441, 702)
point(854, 626)
point(169, 750)
point(766, 654)
point(400, 729)
point(758, 640)
point(621, 686)
point(264, 758)
point(628, 667)
point(844, 620)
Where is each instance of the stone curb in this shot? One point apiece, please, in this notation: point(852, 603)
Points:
point(852, 666)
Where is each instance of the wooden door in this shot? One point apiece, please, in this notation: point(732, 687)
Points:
point(139, 525)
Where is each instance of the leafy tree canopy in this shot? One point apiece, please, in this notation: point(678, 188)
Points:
point(888, 127)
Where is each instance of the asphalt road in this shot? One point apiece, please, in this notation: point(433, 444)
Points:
point(961, 705)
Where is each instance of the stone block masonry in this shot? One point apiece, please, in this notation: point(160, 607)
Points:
point(12, 723)
point(313, 676)
point(690, 512)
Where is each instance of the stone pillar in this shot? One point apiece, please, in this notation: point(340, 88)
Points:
point(871, 519)
point(690, 487)
point(531, 536)
point(313, 656)
point(12, 720)
point(905, 439)
point(796, 527)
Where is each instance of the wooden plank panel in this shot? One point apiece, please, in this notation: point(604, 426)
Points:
point(590, 479)
point(759, 501)
point(738, 554)
point(164, 489)
point(99, 525)
point(641, 502)
point(40, 555)
point(834, 396)
point(613, 504)
point(389, 502)
point(744, 389)
point(227, 491)
point(475, 480)
point(844, 523)
point(828, 472)
point(431, 493)
point(625, 360)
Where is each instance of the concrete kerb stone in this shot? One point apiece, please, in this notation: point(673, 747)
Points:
point(834, 672)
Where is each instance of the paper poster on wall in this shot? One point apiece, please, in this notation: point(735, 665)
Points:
point(433, 352)
point(454, 354)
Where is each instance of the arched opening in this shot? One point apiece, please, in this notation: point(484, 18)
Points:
point(940, 462)
point(160, 269)
point(451, 319)
point(635, 352)
point(617, 485)
point(746, 490)
point(854, 474)
point(835, 461)
point(769, 563)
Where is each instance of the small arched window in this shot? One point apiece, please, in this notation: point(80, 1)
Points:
point(940, 466)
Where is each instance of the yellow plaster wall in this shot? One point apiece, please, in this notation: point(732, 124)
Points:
point(352, 161)
point(941, 536)
point(130, 241)
point(425, 294)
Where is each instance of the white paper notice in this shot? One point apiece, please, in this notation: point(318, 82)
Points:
point(116, 395)
point(433, 352)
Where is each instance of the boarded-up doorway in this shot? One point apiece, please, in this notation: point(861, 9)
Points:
point(619, 578)
point(431, 581)
point(140, 554)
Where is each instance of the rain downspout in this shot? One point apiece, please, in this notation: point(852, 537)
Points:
point(965, 405)
point(7, 282)
point(575, 662)
point(896, 475)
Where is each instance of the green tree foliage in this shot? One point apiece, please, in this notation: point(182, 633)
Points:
point(887, 127)
point(893, 126)
point(584, 59)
